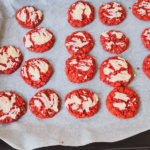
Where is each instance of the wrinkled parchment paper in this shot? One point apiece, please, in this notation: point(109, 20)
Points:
point(29, 132)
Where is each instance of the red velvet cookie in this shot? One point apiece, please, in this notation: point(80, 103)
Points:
point(79, 41)
point(10, 59)
point(39, 40)
point(82, 103)
point(114, 41)
point(80, 68)
point(146, 66)
point(145, 36)
point(80, 14)
point(12, 106)
point(44, 104)
point(36, 72)
point(112, 13)
point(122, 102)
point(29, 17)
point(116, 71)
point(141, 9)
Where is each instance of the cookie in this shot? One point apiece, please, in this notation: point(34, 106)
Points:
point(114, 41)
point(116, 71)
point(112, 13)
point(145, 36)
point(29, 17)
point(82, 103)
point(122, 102)
point(44, 104)
point(39, 40)
point(36, 72)
point(80, 68)
point(146, 66)
point(12, 107)
point(10, 59)
point(141, 9)
point(79, 41)
point(80, 14)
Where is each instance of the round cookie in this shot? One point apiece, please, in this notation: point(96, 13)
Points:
point(80, 14)
point(10, 59)
point(44, 104)
point(39, 40)
point(29, 17)
point(80, 68)
point(12, 107)
point(36, 72)
point(82, 103)
point(114, 41)
point(141, 9)
point(79, 41)
point(146, 66)
point(112, 13)
point(116, 71)
point(122, 102)
point(145, 36)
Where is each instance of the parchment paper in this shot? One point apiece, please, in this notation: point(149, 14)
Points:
point(29, 132)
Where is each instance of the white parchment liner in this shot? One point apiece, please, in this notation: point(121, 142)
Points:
point(29, 132)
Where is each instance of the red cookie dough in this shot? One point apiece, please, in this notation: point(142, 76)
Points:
point(122, 102)
point(44, 104)
point(79, 41)
point(141, 9)
point(39, 40)
point(10, 59)
point(116, 71)
point(36, 72)
point(145, 36)
point(114, 41)
point(80, 14)
point(146, 66)
point(82, 103)
point(29, 17)
point(80, 68)
point(12, 106)
point(112, 13)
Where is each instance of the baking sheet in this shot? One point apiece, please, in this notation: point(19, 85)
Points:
point(29, 132)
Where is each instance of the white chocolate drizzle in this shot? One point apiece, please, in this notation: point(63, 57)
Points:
point(86, 104)
point(8, 107)
point(50, 102)
point(80, 8)
point(76, 43)
point(35, 67)
point(5, 58)
point(40, 37)
point(113, 12)
point(32, 15)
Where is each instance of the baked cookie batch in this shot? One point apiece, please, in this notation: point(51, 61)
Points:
point(115, 71)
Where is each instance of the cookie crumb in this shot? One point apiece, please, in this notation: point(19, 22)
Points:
point(62, 142)
point(129, 7)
